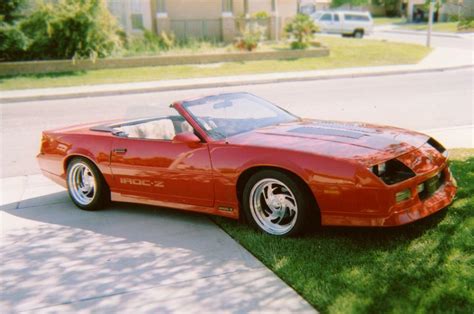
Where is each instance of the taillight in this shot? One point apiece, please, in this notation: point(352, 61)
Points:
point(44, 143)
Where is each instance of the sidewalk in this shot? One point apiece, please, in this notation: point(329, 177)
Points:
point(57, 258)
point(441, 59)
point(454, 137)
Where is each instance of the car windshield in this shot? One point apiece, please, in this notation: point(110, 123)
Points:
point(316, 15)
point(225, 115)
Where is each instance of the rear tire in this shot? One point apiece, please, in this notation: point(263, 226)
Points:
point(86, 185)
point(275, 202)
point(358, 34)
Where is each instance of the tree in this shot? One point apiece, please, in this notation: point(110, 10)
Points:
point(351, 3)
point(13, 42)
point(72, 29)
point(11, 10)
point(61, 30)
point(437, 6)
point(392, 7)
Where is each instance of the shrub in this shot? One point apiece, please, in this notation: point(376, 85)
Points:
point(453, 18)
point(151, 43)
point(249, 40)
point(301, 29)
point(72, 29)
point(465, 24)
point(261, 15)
point(63, 30)
point(13, 42)
point(167, 40)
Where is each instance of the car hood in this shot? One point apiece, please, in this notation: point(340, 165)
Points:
point(366, 143)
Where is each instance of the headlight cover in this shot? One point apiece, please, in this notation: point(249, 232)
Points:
point(436, 145)
point(392, 172)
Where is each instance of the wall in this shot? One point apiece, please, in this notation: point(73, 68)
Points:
point(196, 18)
point(452, 8)
point(124, 9)
point(287, 10)
point(14, 68)
point(195, 9)
point(258, 6)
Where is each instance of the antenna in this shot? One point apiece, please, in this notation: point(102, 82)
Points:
point(225, 130)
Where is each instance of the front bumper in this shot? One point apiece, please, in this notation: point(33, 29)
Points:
point(437, 201)
point(404, 212)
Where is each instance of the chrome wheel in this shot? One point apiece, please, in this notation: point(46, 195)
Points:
point(82, 183)
point(273, 206)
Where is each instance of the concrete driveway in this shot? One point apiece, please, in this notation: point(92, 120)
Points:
point(57, 258)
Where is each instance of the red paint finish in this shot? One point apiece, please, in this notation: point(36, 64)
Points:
point(200, 174)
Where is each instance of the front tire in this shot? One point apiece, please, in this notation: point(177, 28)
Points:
point(86, 185)
point(276, 203)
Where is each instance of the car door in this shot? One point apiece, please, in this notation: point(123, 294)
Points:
point(163, 170)
point(350, 23)
point(325, 22)
point(336, 26)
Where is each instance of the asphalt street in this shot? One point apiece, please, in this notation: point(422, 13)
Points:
point(418, 101)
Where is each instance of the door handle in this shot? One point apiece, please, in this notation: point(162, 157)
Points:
point(119, 150)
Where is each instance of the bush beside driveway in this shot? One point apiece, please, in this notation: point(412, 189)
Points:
point(423, 267)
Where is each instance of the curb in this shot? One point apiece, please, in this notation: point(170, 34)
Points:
point(256, 81)
point(422, 33)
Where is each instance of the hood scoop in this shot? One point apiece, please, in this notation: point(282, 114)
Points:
point(350, 126)
point(309, 130)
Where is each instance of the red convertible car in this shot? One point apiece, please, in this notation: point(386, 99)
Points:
point(238, 155)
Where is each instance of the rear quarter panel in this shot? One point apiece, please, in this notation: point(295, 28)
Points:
point(57, 149)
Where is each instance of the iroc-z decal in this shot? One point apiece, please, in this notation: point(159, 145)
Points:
point(142, 182)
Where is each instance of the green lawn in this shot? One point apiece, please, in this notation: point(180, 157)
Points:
point(388, 20)
point(450, 27)
point(424, 267)
point(345, 52)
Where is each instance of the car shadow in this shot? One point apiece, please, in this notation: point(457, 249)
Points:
point(53, 253)
point(410, 231)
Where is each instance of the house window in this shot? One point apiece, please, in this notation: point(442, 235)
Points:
point(274, 6)
point(246, 7)
point(137, 15)
point(161, 6)
point(227, 6)
point(137, 21)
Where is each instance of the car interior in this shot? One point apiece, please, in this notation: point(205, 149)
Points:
point(164, 128)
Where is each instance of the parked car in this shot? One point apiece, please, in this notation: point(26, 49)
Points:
point(239, 156)
point(346, 23)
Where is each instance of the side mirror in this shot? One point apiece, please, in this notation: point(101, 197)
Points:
point(188, 138)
